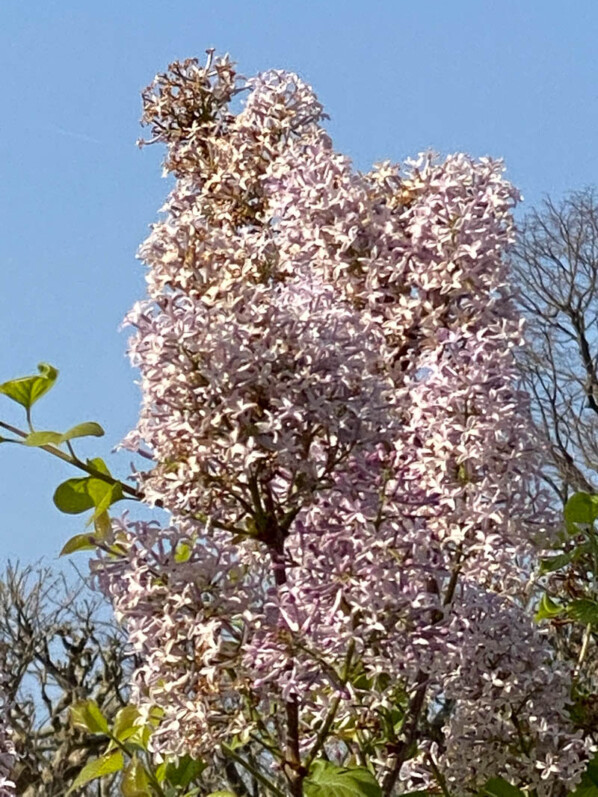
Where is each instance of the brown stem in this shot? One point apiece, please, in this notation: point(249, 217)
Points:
point(417, 703)
point(292, 766)
point(323, 732)
point(278, 566)
point(452, 585)
point(293, 770)
point(403, 748)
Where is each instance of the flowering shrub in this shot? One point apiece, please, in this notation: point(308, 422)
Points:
point(331, 404)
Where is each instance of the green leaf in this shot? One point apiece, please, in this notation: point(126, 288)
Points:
point(182, 552)
point(580, 508)
point(86, 715)
point(584, 611)
point(102, 526)
point(124, 723)
point(548, 609)
point(107, 764)
point(43, 439)
point(221, 794)
point(183, 773)
point(78, 495)
point(160, 772)
point(28, 389)
point(80, 542)
point(103, 495)
point(72, 496)
point(135, 781)
point(589, 782)
point(499, 787)
point(87, 429)
point(98, 464)
point(554, 563)
point(586, 788)
point(327, 780)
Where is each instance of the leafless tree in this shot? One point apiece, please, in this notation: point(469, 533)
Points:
point(555, 263)
point(61, 647)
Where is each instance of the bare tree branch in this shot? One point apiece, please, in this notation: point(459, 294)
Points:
point(61, 647)
point(555, 263)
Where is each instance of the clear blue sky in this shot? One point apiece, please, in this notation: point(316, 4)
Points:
point(511, 79)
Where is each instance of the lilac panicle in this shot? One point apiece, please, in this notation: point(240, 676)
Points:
point(330, 396)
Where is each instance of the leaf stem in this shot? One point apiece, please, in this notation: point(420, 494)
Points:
point(440, 779)
point(587, 634)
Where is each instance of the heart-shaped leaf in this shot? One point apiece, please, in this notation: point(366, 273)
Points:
point(78, 495)
point(124, 723)
point(72, 496)
point(554, 563)
point(28, 389)
point(88, 429)
point(103, 496)
point(327, 780)
point(184, 772)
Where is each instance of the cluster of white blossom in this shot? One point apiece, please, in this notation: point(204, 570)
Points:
point(330, 396)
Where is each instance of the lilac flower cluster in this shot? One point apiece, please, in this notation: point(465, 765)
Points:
point(330, 396)
point(499, 676)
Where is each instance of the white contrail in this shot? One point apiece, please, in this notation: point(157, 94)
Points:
point(73, 134)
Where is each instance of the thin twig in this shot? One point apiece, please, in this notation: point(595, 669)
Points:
point(440, 779)
point(76, 462)
point(323, 732)
point(254, 772)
